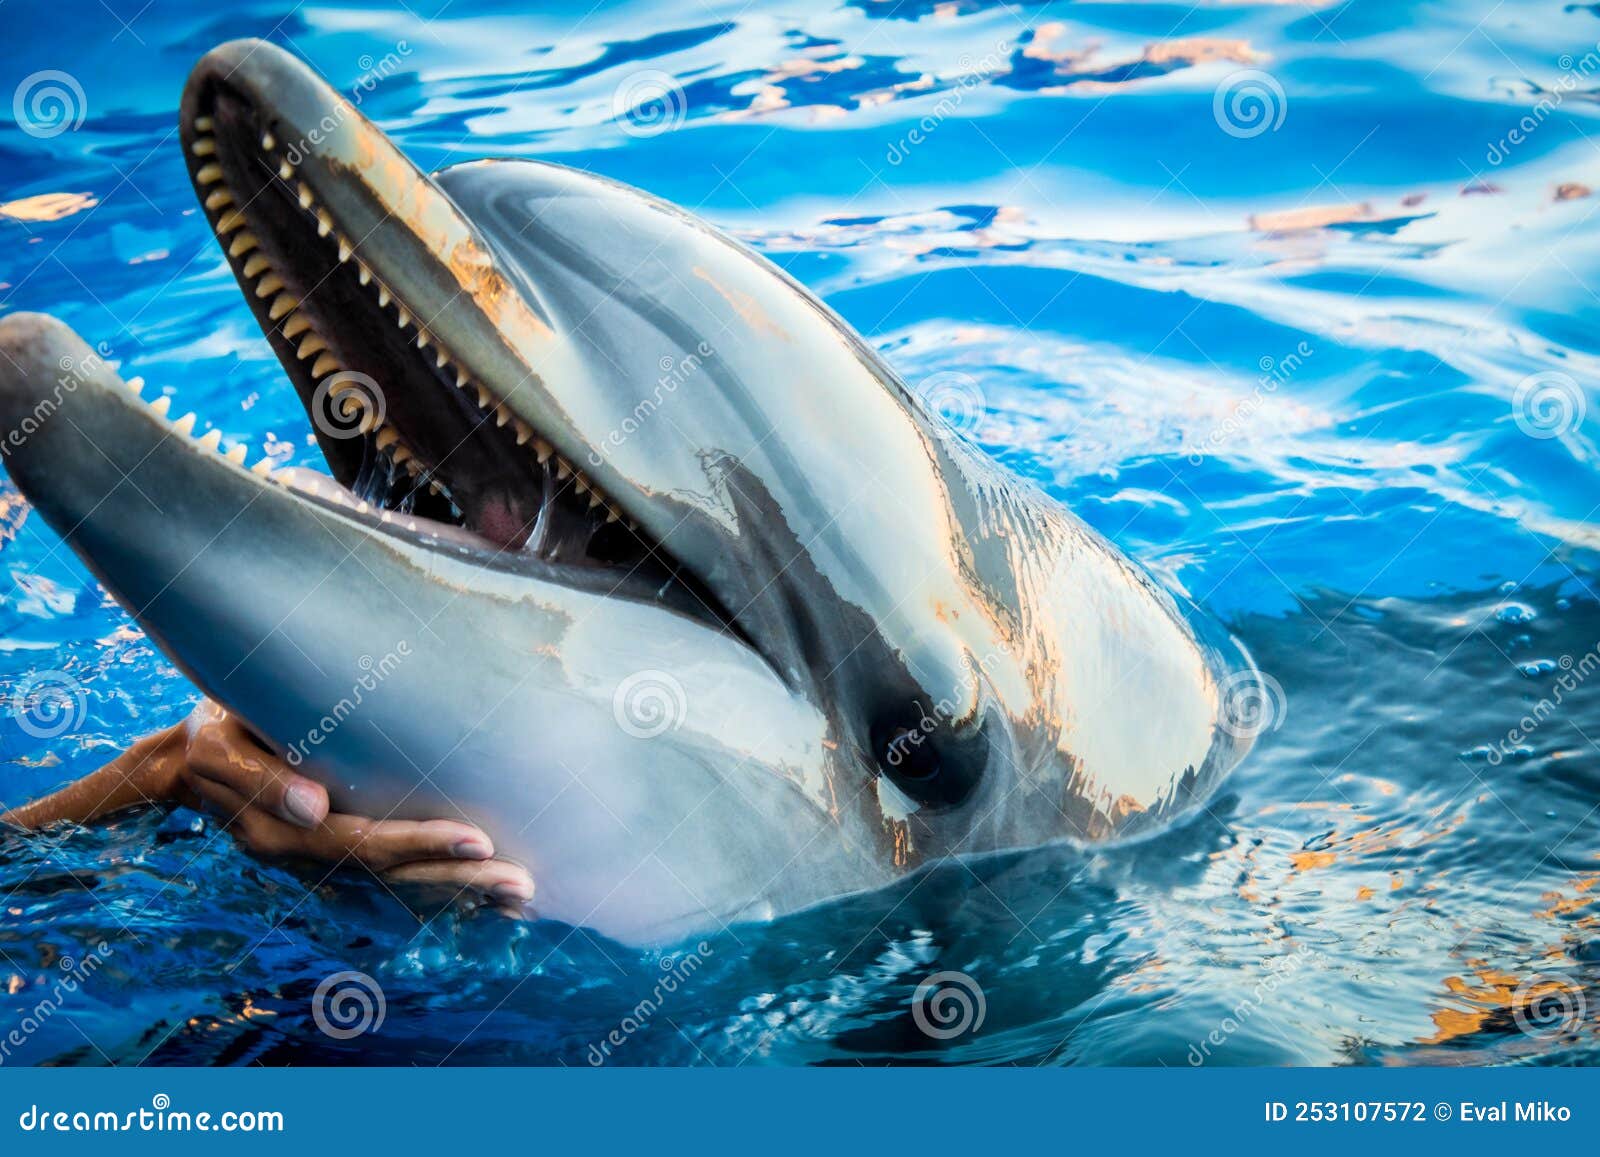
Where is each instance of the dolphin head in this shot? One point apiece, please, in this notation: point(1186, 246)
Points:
point(632, 552)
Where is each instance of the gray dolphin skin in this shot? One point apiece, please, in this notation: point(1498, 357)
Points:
point(633, 553)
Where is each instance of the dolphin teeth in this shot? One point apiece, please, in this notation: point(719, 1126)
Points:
point(387, 436)
point(383, 296)
point(256, 264)
point(267, 141)
point(211, 439)
point(202, 124)
point(185, 424)
point(595, 500)
point(368, 422)
point(542, 450)
point(344, 250)
point(461, 378)
point(243, 243)
point(579, 484)
point(282, 304)
point(263, 468)
point(612, 515)
point(136, 385)
point(524, 431)
point(563, 471)
point(402, 318)
point(203, 147)
point(220, 199)
point(325, 364)
point(484, 399)
point(363, 273)
point(209, 174)
point(229, 221)
point(270, 284)
point(401, 453)
point(422, 339)
point(501, 415)
point(324, 223)
point(298, 323)
point(305, 195)
point(444, 359)
point(285, 170)
point(236, 453)
point(312, 345)
point(161, 405)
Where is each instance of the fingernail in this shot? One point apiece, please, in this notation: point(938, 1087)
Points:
point(515, 892)
point(301, 801)
point(472, 848)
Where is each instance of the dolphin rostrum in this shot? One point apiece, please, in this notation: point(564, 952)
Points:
point(633, 554)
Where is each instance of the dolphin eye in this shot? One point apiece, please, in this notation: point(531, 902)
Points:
point(919, 753)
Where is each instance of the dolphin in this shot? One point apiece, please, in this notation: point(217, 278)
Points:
point(629, 551)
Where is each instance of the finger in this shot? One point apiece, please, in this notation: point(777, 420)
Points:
point(385, 844)
point(224, 755)
point(375, 844)
point(500, 880)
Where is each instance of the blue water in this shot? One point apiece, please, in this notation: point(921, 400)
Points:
point(1325, 357)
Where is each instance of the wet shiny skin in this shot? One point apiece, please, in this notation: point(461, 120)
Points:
point(1357, 532)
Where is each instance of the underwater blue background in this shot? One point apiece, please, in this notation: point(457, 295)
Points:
point(1293, 301)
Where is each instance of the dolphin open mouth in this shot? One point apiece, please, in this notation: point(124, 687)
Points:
point(406, 421)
